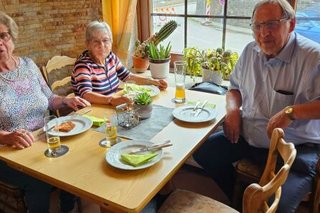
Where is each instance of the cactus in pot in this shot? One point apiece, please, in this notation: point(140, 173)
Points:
point(141, 48)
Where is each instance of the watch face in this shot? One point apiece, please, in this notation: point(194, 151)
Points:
point(289, 110)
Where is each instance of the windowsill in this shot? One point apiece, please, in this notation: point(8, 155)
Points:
point(189, 81)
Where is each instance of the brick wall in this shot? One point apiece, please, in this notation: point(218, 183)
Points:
point(51, 27)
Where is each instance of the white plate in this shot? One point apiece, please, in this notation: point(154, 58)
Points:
point(82, 124)
point(113, 156)
point(185, 113)
point(153, 90)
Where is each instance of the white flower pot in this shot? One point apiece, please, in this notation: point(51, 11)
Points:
point(212, 76)
point(159, 68)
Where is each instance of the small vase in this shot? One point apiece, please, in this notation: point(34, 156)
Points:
point(144, 111)
point(159, 68)
point(140, 64)
point(212, 76)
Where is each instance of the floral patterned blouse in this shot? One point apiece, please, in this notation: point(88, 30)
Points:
point(25, 97)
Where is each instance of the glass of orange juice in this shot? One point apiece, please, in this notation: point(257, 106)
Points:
point(180, 76)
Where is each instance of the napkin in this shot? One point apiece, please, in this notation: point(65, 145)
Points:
point(96, 121)
point(137, 159)
point(208, 105)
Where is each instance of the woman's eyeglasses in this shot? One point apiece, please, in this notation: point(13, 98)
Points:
point(5, 36)
point(269, 25)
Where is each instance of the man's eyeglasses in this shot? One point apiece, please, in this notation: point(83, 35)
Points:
point(269, 25)
point(5, 36)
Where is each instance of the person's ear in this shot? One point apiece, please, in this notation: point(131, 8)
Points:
point(292, 23)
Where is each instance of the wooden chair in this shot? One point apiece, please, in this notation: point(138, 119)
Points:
point(248, 172)
point(256, 196)
point(57, 73)
point(11, 199)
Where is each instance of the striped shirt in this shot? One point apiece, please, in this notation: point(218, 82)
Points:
point(87, 76)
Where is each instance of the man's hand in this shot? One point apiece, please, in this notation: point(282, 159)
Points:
point(279, 120)
point(232, 125)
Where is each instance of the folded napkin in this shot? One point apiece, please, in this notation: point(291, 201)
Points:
point(96, 121)
point(208, 105)
point(137, 159)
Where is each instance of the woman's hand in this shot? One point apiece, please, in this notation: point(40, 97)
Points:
point(161, 83)
point(19, 139)
point(76, 103)
point(115, 101)
point(232, 125)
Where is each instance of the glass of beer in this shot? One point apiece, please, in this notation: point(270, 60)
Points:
point(111, 123)
point(180, 76)
point(55, 149)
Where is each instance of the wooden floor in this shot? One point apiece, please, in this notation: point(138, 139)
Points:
point(187, 178)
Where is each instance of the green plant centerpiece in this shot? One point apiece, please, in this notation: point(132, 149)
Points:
point(142, 105)
point(213, 64)
point(143, 99)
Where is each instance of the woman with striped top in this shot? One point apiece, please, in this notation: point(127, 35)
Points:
point(98, 71)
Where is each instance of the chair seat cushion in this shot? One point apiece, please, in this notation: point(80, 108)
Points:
point(186, 201)
point(248, 168)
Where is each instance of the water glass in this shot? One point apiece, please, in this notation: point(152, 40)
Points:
point(55, 149)
point(111, 123)
point(180, 76)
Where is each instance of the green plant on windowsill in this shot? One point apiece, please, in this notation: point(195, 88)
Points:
point(141, 48)
point(159, 53)
point(211, 59)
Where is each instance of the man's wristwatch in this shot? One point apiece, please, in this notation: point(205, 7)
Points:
point(288, 111)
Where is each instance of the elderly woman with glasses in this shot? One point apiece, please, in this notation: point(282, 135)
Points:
point(25, 99)
point(98, 71)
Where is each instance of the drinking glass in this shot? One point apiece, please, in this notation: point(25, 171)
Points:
point(111, 124)
point(180, 76)
point(55, 149)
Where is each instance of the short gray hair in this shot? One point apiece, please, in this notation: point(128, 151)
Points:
point(287, 10)
point(10, 24)
point(97, 26)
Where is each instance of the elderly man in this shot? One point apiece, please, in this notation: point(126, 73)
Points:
point(276, 83)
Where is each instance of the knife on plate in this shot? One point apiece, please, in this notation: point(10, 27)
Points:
point(200, 108)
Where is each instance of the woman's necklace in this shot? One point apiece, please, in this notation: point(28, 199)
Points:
point(11, 75)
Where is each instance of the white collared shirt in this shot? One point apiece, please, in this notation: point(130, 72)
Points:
point(267, 86)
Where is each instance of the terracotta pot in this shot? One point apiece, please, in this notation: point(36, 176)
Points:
point(140, 64)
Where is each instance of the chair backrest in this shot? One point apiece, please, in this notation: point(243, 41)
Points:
point(57, 73)
point(54, 65)
point(257, 196)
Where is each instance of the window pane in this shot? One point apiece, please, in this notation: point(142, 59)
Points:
point(246, 8)
point(205, 7)
point(308, 20)
point(238, 34)
point(177, 37)
point(204, 36)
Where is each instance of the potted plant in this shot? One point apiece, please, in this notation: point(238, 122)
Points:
point(159, 59)
point(214, 64)
point(142, 105)
point(140, 56)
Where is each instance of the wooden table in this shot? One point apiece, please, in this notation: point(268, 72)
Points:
point(84, 171)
